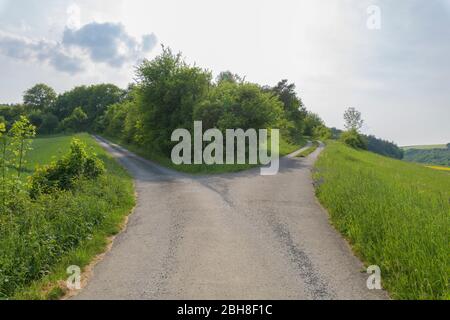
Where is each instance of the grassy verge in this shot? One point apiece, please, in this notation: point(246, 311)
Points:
point(395, 214)
point(286, 148)
point(62, 230)
point(308, 151)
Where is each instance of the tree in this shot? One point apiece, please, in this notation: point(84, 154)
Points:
point(322, 133)
point(40, 97)
point(21, 132)
point(169, 89)
point(35, 118)
point(76, 122)
point(383, 147)
point(49, 124)
point(294, 110)
point(229, 77)
point(353, 119)
point(239, 105)
point(353, 123)
point(95, 100)
point(311, 121)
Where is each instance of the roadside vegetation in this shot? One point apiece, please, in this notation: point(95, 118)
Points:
point(309, 150)
point(395, 214)
point(59, 215)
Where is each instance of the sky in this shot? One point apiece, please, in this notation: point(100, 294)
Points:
point(388, 59)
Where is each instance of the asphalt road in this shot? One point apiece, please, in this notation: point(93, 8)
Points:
point(231, 236)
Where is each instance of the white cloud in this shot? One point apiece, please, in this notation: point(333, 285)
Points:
point(107, 43)
point(73, 16)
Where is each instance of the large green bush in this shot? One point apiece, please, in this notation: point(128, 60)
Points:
point(38, 233)
point(62, 175)
point(353, 139)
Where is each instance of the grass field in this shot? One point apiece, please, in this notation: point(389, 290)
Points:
point(70, 229)
point(49, 148)
point(285, 149)
point(395, 214)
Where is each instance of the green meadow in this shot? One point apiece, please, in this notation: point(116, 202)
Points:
point(395, 214)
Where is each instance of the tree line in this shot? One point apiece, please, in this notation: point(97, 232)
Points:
point(169, 94)
point(354, 138)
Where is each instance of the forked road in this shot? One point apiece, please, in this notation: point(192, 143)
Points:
point(231, 236)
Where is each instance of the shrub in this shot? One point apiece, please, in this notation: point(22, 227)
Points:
point(322, 133)
point(353, 139)
point(61, 175)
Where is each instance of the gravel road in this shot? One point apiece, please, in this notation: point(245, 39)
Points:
point(230, 236)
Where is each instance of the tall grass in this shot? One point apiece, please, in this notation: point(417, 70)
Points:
point(395, 214)
point(43, 237)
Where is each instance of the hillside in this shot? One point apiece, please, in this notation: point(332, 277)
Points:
point(395, 214)
point(432, 154)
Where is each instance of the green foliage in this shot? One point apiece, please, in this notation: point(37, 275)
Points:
point(114, 119)
point(322, 133)
point(353, 139)
point(383, 147)
point(294, 110)
point(64, 173)
point(41, 237)
point(39, 98)
point(76, 122)
point(395, 214)
point(11, 113)
point(376, 145)
point(169, 89)
point(93, 99)
point(311, 121)
point(36, 118)
point(50, 124)
point(239, 105)
point(171, 94)
point(19, 142)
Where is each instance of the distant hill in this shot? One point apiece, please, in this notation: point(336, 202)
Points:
point(426, 147)
point(376, 145)
point(431, 154)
